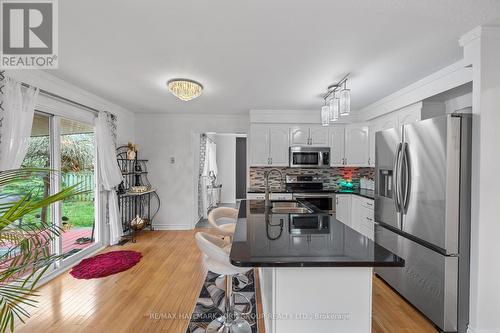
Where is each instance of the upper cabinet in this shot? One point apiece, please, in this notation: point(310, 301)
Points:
point(259, 145)
point(318, 136)
point(407, 115)
point(269, 145)
point(278, 151)
point(337, 145)
point(308, 136)
point(356, 145)
point(299, 136)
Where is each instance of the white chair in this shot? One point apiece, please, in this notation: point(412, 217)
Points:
point(227, 213)
point(230, 215)
point(217, 261)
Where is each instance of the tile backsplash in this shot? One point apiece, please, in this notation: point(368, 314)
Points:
point(332, 176)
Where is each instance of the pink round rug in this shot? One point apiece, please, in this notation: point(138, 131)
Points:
point(105, 264)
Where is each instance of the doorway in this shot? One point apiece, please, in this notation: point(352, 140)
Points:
point(222, 180)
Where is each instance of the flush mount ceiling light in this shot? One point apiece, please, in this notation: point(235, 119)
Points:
point(339, 101)
point(185, 89)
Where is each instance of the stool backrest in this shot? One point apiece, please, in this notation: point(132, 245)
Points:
point(222, 212)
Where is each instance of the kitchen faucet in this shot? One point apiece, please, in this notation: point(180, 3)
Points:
point(266, 177)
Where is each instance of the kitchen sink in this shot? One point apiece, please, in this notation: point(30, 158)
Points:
point(289, 207)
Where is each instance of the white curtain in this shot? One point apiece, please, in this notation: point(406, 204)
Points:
point(19, 107)
point(210, 168)
point(110, 174)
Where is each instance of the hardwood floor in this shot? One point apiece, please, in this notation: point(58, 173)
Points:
point(159, 293)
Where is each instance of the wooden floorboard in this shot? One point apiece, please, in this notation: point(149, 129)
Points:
point(159, 294)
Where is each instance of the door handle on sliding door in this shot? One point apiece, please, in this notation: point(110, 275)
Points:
point(395, 179)
point(407, 185)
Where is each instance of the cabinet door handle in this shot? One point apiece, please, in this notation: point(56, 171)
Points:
point(271, 160)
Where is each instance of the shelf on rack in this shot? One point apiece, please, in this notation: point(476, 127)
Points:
point(126, 159)
point(127, 194)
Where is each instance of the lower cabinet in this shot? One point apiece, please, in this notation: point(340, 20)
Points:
point(356, 212)
point(343, 208)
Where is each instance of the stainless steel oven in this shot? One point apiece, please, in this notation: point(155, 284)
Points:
point(309, 157)
point(323, 201)
point(304, 224)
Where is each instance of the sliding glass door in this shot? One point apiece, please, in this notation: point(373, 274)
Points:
point(77, 157)
point(68, 146)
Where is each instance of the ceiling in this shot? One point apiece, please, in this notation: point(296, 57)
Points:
point(258, 54)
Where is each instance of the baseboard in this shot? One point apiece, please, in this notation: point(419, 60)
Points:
point(488, 330)
point(172, 226)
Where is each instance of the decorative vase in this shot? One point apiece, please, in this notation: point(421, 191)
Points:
point(137, 223)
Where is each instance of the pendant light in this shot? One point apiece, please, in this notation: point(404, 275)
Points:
point(334, 109)
point(345, 100)
point(325, 115)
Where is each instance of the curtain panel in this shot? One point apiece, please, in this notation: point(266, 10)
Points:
point(109, 171)
point(18, 108)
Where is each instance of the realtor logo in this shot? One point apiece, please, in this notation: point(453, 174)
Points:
point(29, 34)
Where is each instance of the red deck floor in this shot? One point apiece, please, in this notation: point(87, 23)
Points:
point(69, 238)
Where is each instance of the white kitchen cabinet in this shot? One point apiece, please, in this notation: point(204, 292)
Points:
point(356, 145)
point(299, 136)
point(362, 216)
point(356, 213)
point(269, 145)
point(343, 208)
point(318, 136)
point(259, 143)
point(337, 143)
point(309, 136)
point(278, 151)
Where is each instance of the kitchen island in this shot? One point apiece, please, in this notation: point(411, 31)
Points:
point(315, 272)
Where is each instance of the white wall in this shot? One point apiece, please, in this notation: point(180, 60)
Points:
point(482, 51)
point(226, 165)
point(162, 136)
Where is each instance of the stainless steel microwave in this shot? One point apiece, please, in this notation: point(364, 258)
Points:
point(309, 157)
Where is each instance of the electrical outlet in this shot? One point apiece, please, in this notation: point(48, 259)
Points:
point(172, 160)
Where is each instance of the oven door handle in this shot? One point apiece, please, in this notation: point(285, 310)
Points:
point(306, 195)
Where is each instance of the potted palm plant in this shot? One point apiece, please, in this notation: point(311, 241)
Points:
point(25, 247)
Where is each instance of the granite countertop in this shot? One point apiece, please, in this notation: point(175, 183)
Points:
point(273, 240)
point(369, 194)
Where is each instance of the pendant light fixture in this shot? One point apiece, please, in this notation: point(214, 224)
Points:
point(334, 109)
point(339, 102)
point(325, 115)
point(345, 100)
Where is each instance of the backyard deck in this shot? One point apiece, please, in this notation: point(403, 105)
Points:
point(69, 239)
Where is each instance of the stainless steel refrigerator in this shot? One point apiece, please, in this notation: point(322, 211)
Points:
point(422, 213)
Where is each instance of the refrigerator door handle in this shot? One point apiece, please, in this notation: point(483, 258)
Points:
point(395, 179)
point(406, 162)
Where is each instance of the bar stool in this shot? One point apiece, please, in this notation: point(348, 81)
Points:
point(226, 230)
point(217, 261)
